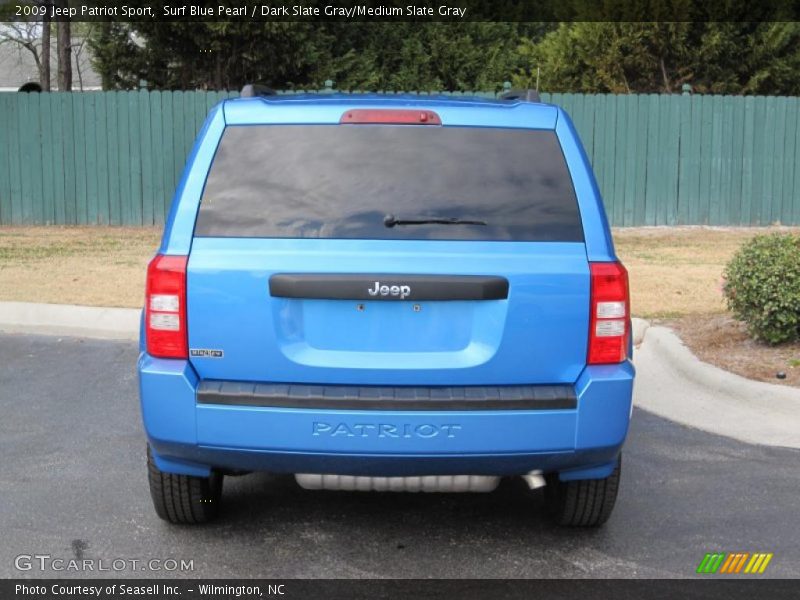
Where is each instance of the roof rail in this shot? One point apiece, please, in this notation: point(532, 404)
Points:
point(251, 90)
point(521, 95)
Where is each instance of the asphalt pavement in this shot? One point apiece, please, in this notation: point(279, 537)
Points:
point(73, 486)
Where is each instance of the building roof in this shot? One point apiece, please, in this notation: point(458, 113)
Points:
point(18, 67)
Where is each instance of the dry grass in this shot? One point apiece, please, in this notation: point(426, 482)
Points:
point(676, 271)
point(75, 265)
point(673, 271)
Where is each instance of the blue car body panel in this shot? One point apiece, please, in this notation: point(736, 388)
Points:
point(538, 335)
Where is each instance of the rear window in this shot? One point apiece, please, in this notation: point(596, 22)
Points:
point(341, 181)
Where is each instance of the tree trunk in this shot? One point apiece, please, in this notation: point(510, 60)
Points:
point(78, 72)
point(44, 72)
point(64, 42)
point(667, 85)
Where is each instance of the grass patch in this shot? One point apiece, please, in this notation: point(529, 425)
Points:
point(677, 271)
point(76, 265)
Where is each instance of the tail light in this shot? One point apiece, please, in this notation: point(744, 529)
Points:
point(381, 116)
point(165, 307)
point(610, 317)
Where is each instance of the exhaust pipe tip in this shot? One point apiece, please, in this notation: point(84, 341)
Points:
point(534, 479)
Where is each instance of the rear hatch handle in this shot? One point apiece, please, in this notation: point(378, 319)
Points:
point(383, 286)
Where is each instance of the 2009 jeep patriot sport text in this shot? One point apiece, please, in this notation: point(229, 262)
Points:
point(386, 293)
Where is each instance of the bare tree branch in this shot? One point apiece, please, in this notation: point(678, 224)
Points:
point(78, 51)
point(25, 35)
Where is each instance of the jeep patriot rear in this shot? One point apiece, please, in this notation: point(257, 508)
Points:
point(386, 293)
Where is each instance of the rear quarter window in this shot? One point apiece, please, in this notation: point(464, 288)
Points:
point(341, 181)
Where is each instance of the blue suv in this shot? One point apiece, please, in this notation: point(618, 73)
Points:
point(389, 293)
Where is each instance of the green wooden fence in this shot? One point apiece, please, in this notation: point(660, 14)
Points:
point(114, 158)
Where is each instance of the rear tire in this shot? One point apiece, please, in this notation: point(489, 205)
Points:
point(585, 502)
point(184, 499)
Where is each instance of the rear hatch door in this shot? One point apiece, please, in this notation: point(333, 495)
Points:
point(388, 255)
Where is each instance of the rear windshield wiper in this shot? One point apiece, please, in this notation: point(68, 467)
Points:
point(391, 220)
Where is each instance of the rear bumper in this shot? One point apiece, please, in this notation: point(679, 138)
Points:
point(386, 398)
point(190, 434)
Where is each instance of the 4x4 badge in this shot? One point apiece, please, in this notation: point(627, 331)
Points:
point(205, 353)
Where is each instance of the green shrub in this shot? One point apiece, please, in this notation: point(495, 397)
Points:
point(762, 287)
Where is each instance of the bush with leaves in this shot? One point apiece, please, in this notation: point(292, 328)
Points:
point(762, 287)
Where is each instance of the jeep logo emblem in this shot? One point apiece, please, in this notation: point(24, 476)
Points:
point(402, 291)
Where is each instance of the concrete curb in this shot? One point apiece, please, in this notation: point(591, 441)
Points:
point(70, 320)
point(673, 383)
point(639, 327)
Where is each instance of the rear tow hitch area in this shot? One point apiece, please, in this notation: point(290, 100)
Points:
point(427, 483)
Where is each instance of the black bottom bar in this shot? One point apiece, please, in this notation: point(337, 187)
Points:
point(353, 589)
point(342, 397)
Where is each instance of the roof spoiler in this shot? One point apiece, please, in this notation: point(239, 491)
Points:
point(252, 90)
point(521, 95)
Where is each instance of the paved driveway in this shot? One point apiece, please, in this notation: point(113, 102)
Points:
point(73, 485)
